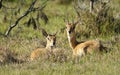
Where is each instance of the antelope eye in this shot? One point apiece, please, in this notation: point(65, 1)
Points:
point(70, 32)
point(48, 38)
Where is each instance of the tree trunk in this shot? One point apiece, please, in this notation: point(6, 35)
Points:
point(91, 5)
point(1, 4)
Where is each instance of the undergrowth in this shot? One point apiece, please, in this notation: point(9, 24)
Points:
point(15, 50)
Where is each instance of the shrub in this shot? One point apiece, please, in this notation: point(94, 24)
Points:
point(6, 56)
point(63, 1)
point(99, 23)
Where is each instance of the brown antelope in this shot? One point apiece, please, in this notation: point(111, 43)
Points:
point(51, 40)
point(80, 48)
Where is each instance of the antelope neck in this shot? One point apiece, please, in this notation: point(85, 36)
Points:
point(48, 47)
point(72, 41)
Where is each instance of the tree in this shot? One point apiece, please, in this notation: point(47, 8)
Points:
point(1, 4)
point(91, 5)
point(29, 10)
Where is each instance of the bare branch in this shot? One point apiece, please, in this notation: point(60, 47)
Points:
point(30, 9)
point(18, 20)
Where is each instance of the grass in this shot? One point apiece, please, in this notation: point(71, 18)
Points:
point(96, 64)
point(23, 40)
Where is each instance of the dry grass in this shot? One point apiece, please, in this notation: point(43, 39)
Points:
point(20, 45)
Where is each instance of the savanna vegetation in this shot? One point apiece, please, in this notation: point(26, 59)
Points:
point(102, 23)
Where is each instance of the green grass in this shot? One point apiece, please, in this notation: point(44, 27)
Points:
point(96, 64)
point(23, 40)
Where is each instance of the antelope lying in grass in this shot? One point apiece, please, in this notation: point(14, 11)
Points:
point(51, 40)
point(80, 48)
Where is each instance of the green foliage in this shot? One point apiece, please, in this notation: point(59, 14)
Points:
point(105, 21)
point(23, 40)
point(101, 23)
point(10, 0)
point(63, 1)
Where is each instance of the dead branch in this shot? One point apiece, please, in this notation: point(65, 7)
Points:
point(17, 21)
point(30, 9)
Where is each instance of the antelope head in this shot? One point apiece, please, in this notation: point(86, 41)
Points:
point(51, 39)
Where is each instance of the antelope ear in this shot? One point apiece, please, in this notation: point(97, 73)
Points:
point(74, 24)
point(44, 33)
point(73, 27)
point(66, 22)
point(55, 33)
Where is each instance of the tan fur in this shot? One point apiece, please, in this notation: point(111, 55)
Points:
point(43, 52)
point(86, 47)
point(40, 52)
point(80, 48)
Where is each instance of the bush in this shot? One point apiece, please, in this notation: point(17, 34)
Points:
point(63, 1)
point(100, 23)
point(106, 22)
point(10, 0)
point(6, 56)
